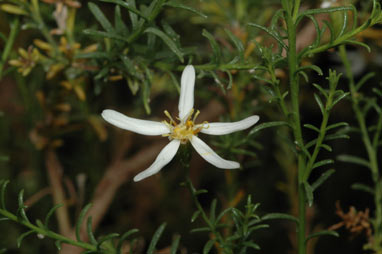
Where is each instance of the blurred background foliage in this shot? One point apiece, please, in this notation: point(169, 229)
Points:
point(71, 59)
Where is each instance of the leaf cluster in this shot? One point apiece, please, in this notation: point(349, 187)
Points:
point(241, 225)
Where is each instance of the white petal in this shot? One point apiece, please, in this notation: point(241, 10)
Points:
point(226, 128)
point(163, 158)
point(143, 127)
point(186, 99)
point(209, 155)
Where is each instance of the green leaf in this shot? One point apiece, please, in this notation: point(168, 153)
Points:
point(331, 29)
point(202, 229)
point(344, 24)
point(363, 80)
point(130, 5)
point(303, 148)
point(318, 31)
point(39, 223)
point(256, 227)
point(229, 209)
point(3, 191)
point(21, 209)
point(154, 8)
point(358, 43)
point(237, 42)
point(89, 230)
point(252, 245)
point(201, 191)
point(207, 248)
point(336, 125)
point(353, 159)
point(22, 236)
point(322, 233)
point(58, 244)
point(280, 216)
point(337, 99)
point(325, 10)
point(155, 238)
point(124, 237)
point(100, 17)
point(103, 34)
point(80, 220)
point(176, 4)
point(106, 238)
point(320, 104)
point(262, 79)
point(309, 193)
point(175, 244)
point(146, 95)
point(230, 80)
point(322, 163)
point(327, 147)
point(213, 211)
point(3, 37)
point(120, 26)
point(50, 213)
point(92, 55)
point(136, 23)
point(312, 67)
point(266, 125)
point(304, 75)
point(309, 126)
point(363, 187)
point(322, 91)
point(336, 136)
point(271, 33)
point(214, 45)
point(195, 215)
point(167, 40)
point(322, 178)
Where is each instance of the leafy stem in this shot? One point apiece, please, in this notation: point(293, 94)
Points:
point(296, 122)
point(14, 29)
point(206, 219)
point(36, 16)
point(46, 232)
point(333, 80)
point(371, 147)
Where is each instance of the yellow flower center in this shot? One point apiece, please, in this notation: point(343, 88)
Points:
point(183, 131)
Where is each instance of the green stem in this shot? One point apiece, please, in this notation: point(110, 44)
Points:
point(35, 14)
point(212, 227)
point(370, 148)
point(321, 135)
point(276, 86)
point(14, 28)
point(46, 232)
point(294, 88)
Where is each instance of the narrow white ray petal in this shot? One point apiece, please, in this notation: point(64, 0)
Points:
point(209, 155)
point(186, 99)
point(226, 128)
point(143, 127)
point(164, 157)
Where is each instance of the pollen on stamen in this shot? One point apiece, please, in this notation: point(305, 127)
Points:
point(184, 130)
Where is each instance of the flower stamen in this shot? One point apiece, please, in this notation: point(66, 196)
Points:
point(183, 131)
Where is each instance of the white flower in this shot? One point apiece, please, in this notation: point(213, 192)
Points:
point(180, 133)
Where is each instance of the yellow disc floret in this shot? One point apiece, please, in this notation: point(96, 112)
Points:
point(183, 131)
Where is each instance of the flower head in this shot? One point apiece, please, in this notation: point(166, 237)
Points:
point(27, 60)
point(182, 130)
